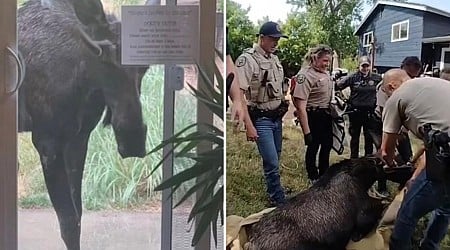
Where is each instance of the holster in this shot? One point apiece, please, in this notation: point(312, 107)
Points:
point(375, 118)
point(437, 166)
point(437, 155)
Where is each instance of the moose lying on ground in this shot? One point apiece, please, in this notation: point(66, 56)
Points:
point(334, 210)
point(72, 56)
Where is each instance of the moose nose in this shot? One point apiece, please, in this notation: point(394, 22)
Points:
point(126, 152)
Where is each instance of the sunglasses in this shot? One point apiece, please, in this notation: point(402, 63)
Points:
point(322, 48)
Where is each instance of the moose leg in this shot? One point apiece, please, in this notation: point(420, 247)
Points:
point(56, 179)
point(74, 159)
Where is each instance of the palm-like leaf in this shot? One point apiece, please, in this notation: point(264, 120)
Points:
point(209, 203)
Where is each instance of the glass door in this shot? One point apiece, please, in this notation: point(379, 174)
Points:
point(120, 209)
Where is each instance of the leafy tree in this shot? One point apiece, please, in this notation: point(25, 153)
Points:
point(292, 50)
point(265, 19)
point(241, 31)
point(331, 22)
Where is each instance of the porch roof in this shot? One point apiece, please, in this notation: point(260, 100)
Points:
point(436, 39)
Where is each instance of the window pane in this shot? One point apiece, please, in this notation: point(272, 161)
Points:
point(395, 32)
point(447, 57)
point(367, 39)
point(404, 30)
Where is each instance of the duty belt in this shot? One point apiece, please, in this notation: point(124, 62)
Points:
point(279, 112)
point(316, 109)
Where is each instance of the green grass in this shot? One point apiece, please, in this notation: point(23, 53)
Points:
point(245, 186)
point(110, 181)
point(245, 182)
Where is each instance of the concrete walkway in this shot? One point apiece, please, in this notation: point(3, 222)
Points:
point(103, 230)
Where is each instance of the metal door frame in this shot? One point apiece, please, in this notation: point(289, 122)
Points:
point(9, 77)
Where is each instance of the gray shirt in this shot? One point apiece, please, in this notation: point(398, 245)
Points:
point(417, 102)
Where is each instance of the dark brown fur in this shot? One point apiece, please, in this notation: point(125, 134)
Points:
point(326, 216)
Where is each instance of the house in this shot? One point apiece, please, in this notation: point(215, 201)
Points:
point(392, 31)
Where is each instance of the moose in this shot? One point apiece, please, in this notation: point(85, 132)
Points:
point(334, 210)
point(72, 56)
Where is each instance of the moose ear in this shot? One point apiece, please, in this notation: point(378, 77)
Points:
point(90, 12)
point(363, 165)
point(376, 160)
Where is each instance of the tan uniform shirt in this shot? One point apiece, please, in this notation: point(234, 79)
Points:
point(251, 67)
point(315, 87)
point(417, 102)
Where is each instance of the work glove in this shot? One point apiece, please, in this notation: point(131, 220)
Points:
point(308, 139)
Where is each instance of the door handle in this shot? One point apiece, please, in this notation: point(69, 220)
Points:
point(20, 70)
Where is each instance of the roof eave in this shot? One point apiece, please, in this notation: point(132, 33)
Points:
point(437, 39)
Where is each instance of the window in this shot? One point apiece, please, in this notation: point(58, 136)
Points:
point(367, 39)
point(400, 31)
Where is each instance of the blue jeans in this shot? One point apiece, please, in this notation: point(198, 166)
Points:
point(269, 146)
point(424, 196)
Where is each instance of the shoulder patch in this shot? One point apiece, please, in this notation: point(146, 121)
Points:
point(301, 79)
point(241, 61)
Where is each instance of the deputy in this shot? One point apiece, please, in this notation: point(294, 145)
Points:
point(261, 77)
point(312, 96)
point(412, 66)
point(362, 104)
point(414, 103)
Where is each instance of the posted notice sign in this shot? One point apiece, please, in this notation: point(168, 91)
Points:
point(159, 34)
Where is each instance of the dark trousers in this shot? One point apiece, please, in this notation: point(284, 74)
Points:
point(360, 120)
point(404, 149)
point(321, 130)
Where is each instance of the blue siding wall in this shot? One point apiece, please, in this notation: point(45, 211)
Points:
point(435, 25)
point(391, 54)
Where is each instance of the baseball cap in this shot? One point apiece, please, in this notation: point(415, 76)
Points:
point(364, 60)
point(271, 29)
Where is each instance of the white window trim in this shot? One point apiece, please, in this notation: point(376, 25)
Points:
point(364, 35)
point(442, 63)
point(399, 30)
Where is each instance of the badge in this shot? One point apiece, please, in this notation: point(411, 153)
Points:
point(241, 61)
point(301, 79)
point(371, 83)
point(278, 28)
